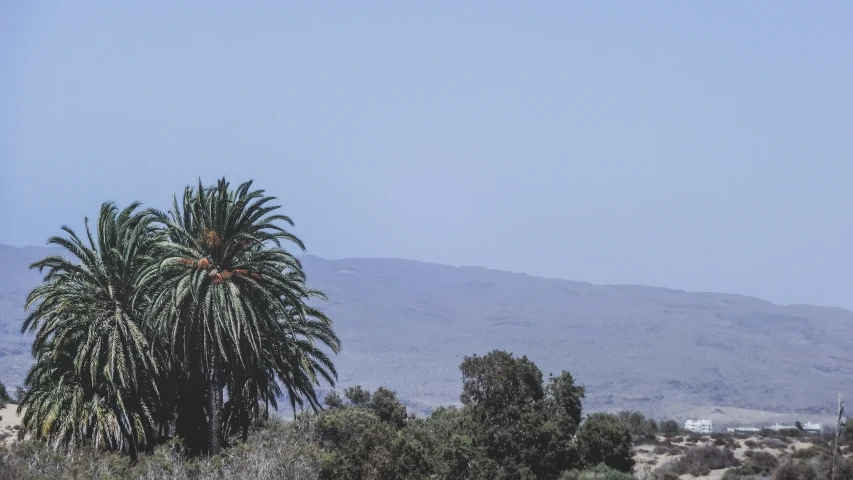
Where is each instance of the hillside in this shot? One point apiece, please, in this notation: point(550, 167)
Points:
point(408, 325)
point(15, 283)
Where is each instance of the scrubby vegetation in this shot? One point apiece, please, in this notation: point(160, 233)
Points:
point(512, 425)
point(790, 469)
point(701, 460)
point(273, 450)
point(756, 463)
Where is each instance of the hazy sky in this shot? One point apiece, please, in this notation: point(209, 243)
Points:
point(694, 145)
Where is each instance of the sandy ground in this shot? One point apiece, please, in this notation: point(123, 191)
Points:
point(10, 420)
point(648, 461)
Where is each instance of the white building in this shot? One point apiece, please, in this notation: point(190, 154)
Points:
point(812, 427)
point(778, 427)
point(698, 426)
point(808, 427)
point(743, 429)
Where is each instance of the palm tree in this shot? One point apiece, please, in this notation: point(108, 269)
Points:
point(96, 376)
point(230, 301)
point(294, 358)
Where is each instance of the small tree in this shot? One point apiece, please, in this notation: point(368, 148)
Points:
point(357, 395)
point(385, 405)
point(504, 396)
point(451, 429)
point(4, 396)
point(520, 427)
point(639, 425)
point(604, 439)
point(333, 400)
point(19, 394)
point(669, 428)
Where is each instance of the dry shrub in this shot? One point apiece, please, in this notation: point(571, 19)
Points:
point(808, 452)
point(776, 443)
point(275, 451)
point(794, 471)
point(643, 440)
point(756, 463)
point(701, 460)
point(821, 465)
point(819, 441)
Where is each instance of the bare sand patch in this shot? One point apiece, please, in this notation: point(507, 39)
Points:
point(9, 423)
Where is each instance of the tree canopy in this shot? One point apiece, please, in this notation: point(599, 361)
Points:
point(156, 314)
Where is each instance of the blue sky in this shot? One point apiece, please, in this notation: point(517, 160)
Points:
point(694, 145)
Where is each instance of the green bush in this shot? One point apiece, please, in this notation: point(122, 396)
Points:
point(357, 395)
point(450, 431)
point(354, 440)
point(603, 439)
point(385, 405)
point(511, 426)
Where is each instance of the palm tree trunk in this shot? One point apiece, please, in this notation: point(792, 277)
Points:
point(191, 421)
point(214, 424)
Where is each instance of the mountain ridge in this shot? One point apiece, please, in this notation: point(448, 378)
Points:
point(407, 324)
point(591, 284)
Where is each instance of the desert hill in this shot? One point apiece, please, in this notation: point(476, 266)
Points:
point(408, 324)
